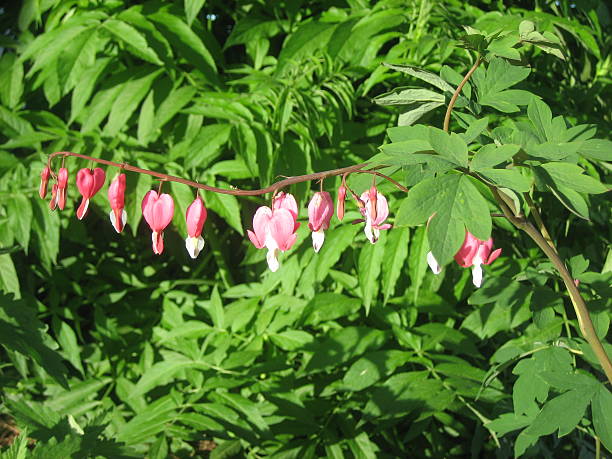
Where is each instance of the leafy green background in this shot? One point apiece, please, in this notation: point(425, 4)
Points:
point(359, 351)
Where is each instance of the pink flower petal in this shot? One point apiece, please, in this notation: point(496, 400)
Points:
point(320, 211)
point(496, 253)
point(282, 227)
point(196, 217)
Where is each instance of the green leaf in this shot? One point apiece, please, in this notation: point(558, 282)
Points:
point(176, 100)
point(424, 75)
point(325, 307)
point(303, 42)
point(598, 149)
point(571, 176)
point(150, 421)
point(491, 155)
point(226, 206)
point(457, 204)
point(475, 129)
point(372, 367)
point(20, 215)
point(291, 340)
point(161, 373)
point(145, 120)
point(21, 331)
point(508, 178)
point(68, 341)
point(407, 392)
point(192, 8)
point(188, 44)
point(370, 261)
point(451, 147)
point(8, 276)
point(135, 42)
point(216, 310)
point(132, 93)
point(342, 345)
point(540, 115)
point(396, 250)
point(138, 185)
point(601, 407)
point(85, 86)
point(408, 96)
point(11, 80)
point(418, 260)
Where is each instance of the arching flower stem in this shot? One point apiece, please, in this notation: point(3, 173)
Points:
point(357, 168)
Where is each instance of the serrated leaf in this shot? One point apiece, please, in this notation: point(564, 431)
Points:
point(132, 93)
point(135, 42)
point(189, 45)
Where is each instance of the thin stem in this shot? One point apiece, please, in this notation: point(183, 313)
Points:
point(234, 191)
point(582, 312)
point(451, 104)
point(538, 218)
point(357, 168)
point(386, 177)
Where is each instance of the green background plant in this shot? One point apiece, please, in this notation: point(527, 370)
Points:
point(359, 351)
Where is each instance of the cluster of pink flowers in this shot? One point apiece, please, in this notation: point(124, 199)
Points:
point(157, 209)
point(274, 228)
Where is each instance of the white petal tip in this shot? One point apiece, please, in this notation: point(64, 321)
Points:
point(477, 275)
point(433, 263)
point(272, 258)
point(194, 246)
point(318, 237)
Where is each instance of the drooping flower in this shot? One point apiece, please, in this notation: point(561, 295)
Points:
point(196, 217)
point(44, 180)
point(53, 202)
point(157, 211)
point(274, 228)
point(473, 253)
point(116, 197)
point(320, 211)
point(340, 204)
point(89, 183)
point(375, 212)
point(58, 191)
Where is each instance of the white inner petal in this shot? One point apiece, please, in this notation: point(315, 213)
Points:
point(318, 237)
point(433, 263)
point(477, 274)
point(272, 258)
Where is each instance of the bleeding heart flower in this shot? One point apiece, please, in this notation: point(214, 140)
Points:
point(340, 204)
point(196, 217)
point(375, 212)
point(116, 197)
point(474, 253)
point(89, 183)
point(275, 228)
point(157, 212)
point(44, 180)
point(320, 211)
point(58, 191)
